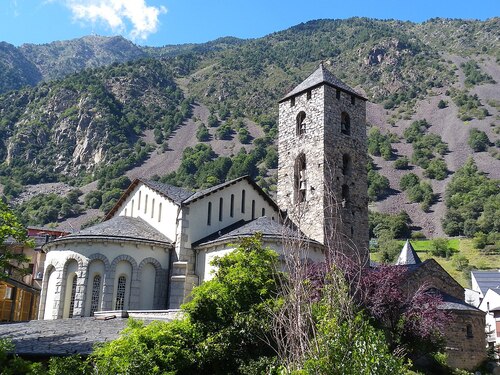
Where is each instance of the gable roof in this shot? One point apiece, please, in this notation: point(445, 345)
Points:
point(269, 229)
point(408, 255)
point(181, 196)
point(318, 77)
point(487, 280)
point(119, 228)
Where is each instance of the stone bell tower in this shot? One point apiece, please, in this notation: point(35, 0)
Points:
point(322, 178)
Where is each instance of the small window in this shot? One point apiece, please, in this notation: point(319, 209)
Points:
point(345, 195)
point(231, 206)
point(9, 292)
point(94, 299)
point(345, 124)
point(292, 102)
point(221, 206)
point(152, 208)
point(243, 201)
point(209, 214)
point(139, 201)
point(263, 211)
point(132, 208)
point(159, 212)
point(308, 94)
point(73, 296)
point(120, 293)
point(352, 231)
point(301, 123)
point(469, 331)
point(253, 209)
point(346, 165)
point(337, 94)
point(353, 99)
point(146, 204)
point(300, 179)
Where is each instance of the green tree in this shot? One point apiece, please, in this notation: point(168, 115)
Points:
point(202, 134)
point(11, 229)
point(442, 104)
point(440, 248)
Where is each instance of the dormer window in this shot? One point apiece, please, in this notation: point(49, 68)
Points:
point(345, 124)
point(301, 123)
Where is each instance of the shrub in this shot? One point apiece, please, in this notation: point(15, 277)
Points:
point(401, 163)
point(202, 134)
point(408, 180)
point(440, 248)
point(442, 104)
point(478, 140)
point(377, 185)
point(436, 169)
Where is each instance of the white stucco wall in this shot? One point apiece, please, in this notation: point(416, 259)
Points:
point(205, 270)
point(153, 208)
point(197, 215)
point(490, 301)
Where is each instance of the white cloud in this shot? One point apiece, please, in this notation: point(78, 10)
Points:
point(119, 15)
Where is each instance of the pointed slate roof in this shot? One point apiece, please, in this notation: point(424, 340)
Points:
point(408, 255)
point(318, 77)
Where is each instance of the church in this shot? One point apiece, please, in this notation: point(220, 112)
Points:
point(158, 241)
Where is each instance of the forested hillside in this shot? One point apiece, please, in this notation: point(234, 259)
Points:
point(196, 115)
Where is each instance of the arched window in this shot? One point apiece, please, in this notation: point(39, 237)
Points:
point(96, 289)
point(345, 124)
point(231, 207)
point(345, 195)
point(209, 214)
point(146, 204)
point(346, 165)
point(159, 212)
point(469, 330)
point(263, 211)
point(253, 209)
point(139, 201)
point(300, 179)
point(152, 208)
point(73, 294)
point(120, 293)
point(301, 123)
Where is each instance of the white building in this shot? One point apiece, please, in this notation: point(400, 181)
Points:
point(157, 243)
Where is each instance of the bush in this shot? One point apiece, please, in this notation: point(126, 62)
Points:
point(408, 181)
point(436, 169)
point(379, 144)
point(442, 104)
point(377, 185)
point(478, 140)
point(202, 134)
point(440, 248)
point(401, 163)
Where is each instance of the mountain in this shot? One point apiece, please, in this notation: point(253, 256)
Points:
point(16, 70)
point(136, 117)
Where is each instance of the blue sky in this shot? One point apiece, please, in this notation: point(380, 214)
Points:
point(160, 22)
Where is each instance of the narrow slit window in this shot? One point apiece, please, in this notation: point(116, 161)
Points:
point(139, 201)
point(300, 179)
point(308, 95)
point(152, 208)
point(120, 293)
point(263, 211)
point(337, 94)
point(253, 209)
point(73, 295)
point(159, 212)
point(96, 289)
point(345, 124)
point(146, 204)
point(132, 209)
point(231, 206)
point(353, 99)
point(243, 201)
point(292, 102)
point(345, 195)
point(221, 207)
point(209, 214)
point(346, 165)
